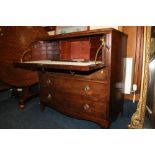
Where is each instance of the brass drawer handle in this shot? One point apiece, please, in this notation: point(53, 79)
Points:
point(102, 71)
point(87, 88)
point(86, 107)
point(49, 96)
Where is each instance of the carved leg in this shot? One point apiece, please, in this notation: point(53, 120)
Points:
point(21, 104)
point(25, 95)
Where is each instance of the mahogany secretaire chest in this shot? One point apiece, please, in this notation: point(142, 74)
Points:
point(83, 76)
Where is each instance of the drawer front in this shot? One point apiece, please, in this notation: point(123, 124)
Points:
point(95, 91)
point(100, 75)
point(74, 104)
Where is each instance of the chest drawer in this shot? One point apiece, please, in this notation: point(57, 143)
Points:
point(95, 91)
point(75, 104)
point(100, 75)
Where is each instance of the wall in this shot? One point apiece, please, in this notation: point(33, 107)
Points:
point(135, 49)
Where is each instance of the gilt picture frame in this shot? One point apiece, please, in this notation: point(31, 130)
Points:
point(137, 119)
point(70, 29)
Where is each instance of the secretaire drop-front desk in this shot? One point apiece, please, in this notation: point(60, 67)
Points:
point(84, 77)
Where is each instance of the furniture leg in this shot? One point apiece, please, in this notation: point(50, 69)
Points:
point(25, 95)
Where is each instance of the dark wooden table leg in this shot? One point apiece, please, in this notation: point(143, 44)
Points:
point(21, 104)
point(25, 95)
